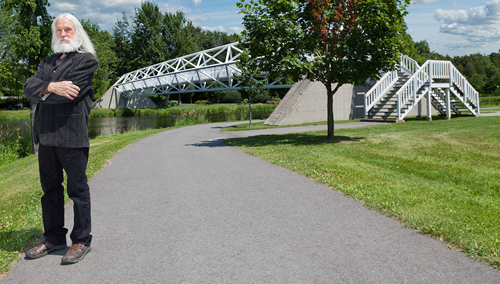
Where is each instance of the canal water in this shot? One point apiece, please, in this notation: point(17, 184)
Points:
point(105, 126)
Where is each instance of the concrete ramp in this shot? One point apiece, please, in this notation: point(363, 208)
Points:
point(113, 99)
point(306, 102)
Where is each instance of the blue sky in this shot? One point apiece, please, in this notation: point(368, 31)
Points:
point(453, 27)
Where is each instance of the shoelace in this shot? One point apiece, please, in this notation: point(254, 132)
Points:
point(75, 247)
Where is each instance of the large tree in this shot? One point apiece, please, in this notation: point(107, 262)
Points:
point(25, 39)
point(335, 42)
point(30, 33)
point(122, 47)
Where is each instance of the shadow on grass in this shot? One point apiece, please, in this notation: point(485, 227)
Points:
point(13, 241)
point(296, 139)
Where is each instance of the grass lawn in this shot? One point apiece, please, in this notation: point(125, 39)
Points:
point(441, 178)
point(261, 125)
point(20, 192)
point(23, 114)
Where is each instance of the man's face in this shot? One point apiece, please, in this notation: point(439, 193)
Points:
point(64, 30)
point(67, 38)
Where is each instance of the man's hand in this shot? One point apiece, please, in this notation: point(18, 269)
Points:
point(64, 89)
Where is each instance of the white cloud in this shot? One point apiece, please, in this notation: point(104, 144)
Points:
point(198, 20)
point(165, 7)
point(464, 44)
point(478, 26)
point(235, 30)
point(195, 2)
point(219, 28)
point(64, 6)
point(422, 1)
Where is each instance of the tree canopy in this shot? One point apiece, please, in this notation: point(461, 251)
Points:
point(23, 24)
point(335, 42)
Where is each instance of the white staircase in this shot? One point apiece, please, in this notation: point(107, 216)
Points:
point(398, 92)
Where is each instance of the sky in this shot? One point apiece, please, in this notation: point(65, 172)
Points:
point(453, 27)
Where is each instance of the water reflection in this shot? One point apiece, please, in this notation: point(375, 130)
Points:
point(113, 125)
point(108, 125)
point(105, 126)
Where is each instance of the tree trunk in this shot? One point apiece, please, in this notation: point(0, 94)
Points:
point(250, 108)
point(330, 121)
point(330, 91)
point(32, 61)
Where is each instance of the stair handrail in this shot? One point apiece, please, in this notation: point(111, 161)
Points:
point(409, 64)
point(409, 90)
point(379, 89)
point(470, 94)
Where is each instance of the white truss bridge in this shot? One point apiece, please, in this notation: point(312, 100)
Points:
point(400, 91)
point(209, 70)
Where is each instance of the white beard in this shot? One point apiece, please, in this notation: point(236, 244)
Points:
point(72, 45)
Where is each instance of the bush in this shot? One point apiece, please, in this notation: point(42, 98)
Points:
point(15, 143)
point(489, 101)
point(261, 96)
point(231, 97)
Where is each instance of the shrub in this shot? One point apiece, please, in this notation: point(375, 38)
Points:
point(231, 97)
point(14, 143)
point(261, 96)
point(489, 101)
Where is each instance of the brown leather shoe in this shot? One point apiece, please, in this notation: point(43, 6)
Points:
point(75, 254)
point(42, 249)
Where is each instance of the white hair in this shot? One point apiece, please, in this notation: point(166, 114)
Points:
point(81, 39)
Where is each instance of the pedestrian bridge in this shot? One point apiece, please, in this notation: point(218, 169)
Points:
point(205, 71)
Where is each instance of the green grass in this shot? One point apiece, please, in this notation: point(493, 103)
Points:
point(20, 192)
point(14, 114)
point(261, 125)
point(490, 109)
point(440, 178)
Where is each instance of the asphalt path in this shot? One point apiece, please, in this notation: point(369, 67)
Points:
point(183, 207)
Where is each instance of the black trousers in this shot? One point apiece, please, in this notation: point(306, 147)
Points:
point(52, 161)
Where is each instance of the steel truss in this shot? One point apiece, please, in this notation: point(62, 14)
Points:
point(209, 70)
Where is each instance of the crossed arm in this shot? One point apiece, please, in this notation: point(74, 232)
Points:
point(64, 89)
point(75, 82)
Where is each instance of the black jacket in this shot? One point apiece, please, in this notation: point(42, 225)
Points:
point(59, 121)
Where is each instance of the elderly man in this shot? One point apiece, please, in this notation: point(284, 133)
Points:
point(62, 85)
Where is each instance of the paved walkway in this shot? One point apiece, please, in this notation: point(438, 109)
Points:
point(182, 207)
